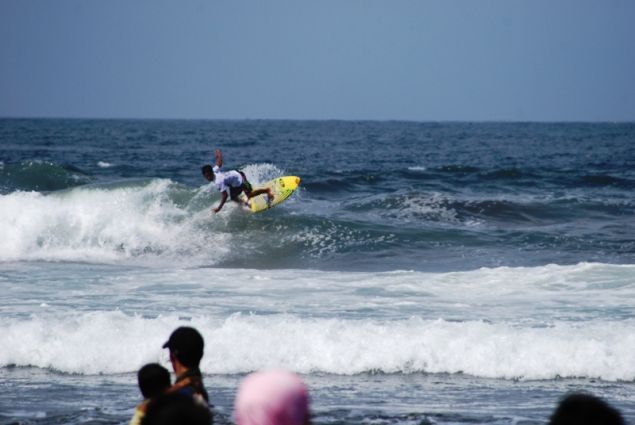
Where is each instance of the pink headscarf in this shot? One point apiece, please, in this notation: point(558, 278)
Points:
point(274, 397)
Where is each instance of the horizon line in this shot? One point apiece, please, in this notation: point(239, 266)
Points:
point(379, 120)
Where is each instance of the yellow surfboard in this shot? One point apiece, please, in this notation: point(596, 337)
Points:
point(282, 188)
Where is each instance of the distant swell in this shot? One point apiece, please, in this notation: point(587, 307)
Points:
point(40, 176)
point(599, 180)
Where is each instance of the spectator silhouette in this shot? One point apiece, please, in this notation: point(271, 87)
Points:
point(186, 351)
point(153, 380)
point(585, 409)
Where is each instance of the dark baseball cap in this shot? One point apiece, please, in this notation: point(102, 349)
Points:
point(187, 345)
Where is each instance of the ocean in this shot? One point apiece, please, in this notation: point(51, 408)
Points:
point(424, 273)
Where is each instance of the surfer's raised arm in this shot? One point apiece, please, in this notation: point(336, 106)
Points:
point(219, 158)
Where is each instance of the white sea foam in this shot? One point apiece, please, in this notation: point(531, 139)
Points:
point(104, 164)
point(261, 173)
point(96, 224)
point(417, 208)
point(113, 342)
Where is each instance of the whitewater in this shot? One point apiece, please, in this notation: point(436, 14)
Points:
point(420, 322)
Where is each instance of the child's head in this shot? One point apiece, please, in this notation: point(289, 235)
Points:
point(153, 379)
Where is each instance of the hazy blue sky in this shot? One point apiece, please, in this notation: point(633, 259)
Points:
point(344, 59)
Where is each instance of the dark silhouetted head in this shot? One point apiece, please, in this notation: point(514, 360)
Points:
point(186, 344)
point(153, 380)
point(585, 409)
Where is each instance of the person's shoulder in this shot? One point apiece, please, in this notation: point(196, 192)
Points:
point(139, 414)
point(174, 407)
point(216, 168)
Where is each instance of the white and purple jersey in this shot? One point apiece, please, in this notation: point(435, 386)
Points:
point(224, 181)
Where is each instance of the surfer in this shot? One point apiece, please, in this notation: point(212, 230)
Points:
point(230, 183)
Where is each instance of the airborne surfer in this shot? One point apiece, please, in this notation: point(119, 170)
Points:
point(230, 183)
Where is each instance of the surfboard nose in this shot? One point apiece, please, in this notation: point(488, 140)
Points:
point(297, 180)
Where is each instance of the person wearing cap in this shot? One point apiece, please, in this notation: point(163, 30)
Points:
point(272, 397)
point(186, 351)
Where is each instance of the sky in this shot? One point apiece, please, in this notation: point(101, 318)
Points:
point(419, 60)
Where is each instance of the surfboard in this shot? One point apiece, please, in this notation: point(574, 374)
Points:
point(282, 188)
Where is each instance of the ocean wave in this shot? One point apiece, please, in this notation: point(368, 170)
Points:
point(345, 182)
point(93, 223)
point(134, 219)
point(605, 180)
point(458, 169)
point(428, 208)
point(156, 221)
point(113, 342)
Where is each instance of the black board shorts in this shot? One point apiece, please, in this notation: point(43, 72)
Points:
point(234, 192)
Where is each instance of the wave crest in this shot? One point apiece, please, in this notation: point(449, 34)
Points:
point(99, 223)
point(243, 343)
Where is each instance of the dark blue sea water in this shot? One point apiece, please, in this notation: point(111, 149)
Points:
point(424, 273)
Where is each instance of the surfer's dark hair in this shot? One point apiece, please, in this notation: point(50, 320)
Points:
point(207, 169)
